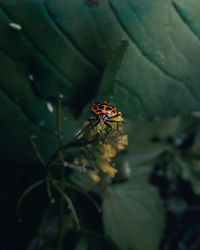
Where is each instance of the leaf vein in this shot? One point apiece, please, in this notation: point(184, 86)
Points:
point(144, 54)
point(101, 36)
point(23, 111)
point(178, 11)
point(69, 39)
point(130, 91)
point(45, 57)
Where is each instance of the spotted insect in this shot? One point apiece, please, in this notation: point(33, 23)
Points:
point(103, 112)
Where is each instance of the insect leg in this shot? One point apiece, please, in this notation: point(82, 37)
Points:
point(117, 122)
point(91, 121)
point(110, 128)
point(96, 123)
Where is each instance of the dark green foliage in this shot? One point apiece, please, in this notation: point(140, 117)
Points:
point(133, 215)
point(143, 56)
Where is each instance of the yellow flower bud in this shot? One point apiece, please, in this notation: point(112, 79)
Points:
point(107, 150)
point(122, 142)
point(106, 167)
point(101, 126)
point(94, 176)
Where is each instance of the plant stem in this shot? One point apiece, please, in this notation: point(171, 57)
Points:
point(59, 123)
point(61, 228)
point(69, 202)
point(62, 176)
point(25, 193)
point(48, 185)
point(59, 155)
point(74, 143)
point(37, 153)
point(69, 185)
point(59, 131)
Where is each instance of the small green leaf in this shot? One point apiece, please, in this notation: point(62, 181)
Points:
point(133, 215)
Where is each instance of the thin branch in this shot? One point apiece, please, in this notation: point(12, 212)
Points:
point(69, 185)
point(62, 175)
point(25, 193)
point(48, 186)
point(59, 128)
point(37, 153)
point(69, 202)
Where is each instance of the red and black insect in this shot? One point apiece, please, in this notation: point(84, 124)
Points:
point(103, 112)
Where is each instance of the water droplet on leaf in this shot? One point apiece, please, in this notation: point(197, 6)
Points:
point(15, 26)
point(50, 107)
point(31, 77)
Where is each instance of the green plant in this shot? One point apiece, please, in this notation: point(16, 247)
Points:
point(95, 147)
point(143, 56)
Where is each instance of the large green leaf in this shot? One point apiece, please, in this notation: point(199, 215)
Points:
point(142, 91)
point(133, 215)
point(51, 47)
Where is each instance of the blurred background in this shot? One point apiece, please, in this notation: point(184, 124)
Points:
point(142, 56)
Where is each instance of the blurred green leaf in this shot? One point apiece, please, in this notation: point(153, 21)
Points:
point(47, 232)
point(84, 181)
point(133, 215)
point(147, 141)
point(190, 171)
